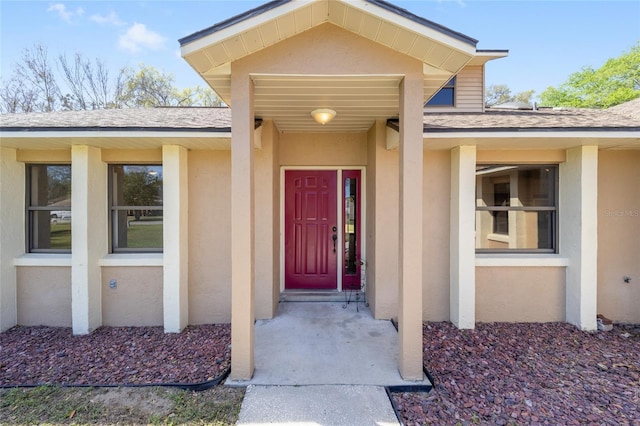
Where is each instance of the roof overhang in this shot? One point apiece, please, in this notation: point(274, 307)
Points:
point(534, 139)
point(488, 139)
point(484, 56)
point(118, 139)
point(442, 51)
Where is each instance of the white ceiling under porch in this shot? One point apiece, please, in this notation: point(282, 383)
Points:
point(358, 100)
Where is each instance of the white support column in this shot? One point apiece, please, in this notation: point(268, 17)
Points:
point(89, 239)
point(410, 206)
point(578, 209)
point(12, 190)
point(242, 229)
point(175, 295)
point(462, 295)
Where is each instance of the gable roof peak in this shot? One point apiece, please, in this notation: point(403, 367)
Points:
point(274, 4)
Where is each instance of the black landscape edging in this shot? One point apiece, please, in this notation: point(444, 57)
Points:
point(195, 387)
point(404, 388)
point(426, 372)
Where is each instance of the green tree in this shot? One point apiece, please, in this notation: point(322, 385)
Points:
point(615, 82)
point(150, 87)
point(497, 94)
point(59, 183)
point(142, 186)
point(147, 87)
point(524, 97)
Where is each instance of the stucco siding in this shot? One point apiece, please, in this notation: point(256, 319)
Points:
point(136, 299)
point(267, 224)
point(437, 190)
point(209, 237)
point(520, 294)
point(323, 149)
point(317, 50)
point(44, 296)
point(382, 225)
point(619, 235)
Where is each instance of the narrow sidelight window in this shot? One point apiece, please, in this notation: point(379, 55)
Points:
point(136, 208)
point(516, 208)
point(48, 208)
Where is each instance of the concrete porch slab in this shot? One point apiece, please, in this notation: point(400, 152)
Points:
point(309, 343)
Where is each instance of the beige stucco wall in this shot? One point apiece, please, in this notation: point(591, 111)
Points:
point(520, 294)
point(437, 191)
point(267, 223)
point(619, 235)
point(382, 225)
point(209, 237)
point(323, 149)
point(315, 52)
point(137, 298)
point(44, 296)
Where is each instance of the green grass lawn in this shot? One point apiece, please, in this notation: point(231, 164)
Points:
point(61, 235)
point(138, 236)
point(218, 406)
point(144, 236)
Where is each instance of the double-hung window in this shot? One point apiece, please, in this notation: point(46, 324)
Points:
point(135, 204)
point(48, 208)
point(516, 208)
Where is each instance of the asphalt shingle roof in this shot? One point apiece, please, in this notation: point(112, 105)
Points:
point(543, 119)
point(625, 117)
point(156, 119)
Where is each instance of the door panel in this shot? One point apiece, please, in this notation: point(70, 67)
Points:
point(310, 219)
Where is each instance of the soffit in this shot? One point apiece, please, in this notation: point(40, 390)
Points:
point(443, 52)
point(518, 141)
point(110, 141)
point(359, 100)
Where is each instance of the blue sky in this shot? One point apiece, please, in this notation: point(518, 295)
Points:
point(547, 40)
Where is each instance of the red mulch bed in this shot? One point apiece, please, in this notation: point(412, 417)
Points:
point(547, 374)
point(113, 356)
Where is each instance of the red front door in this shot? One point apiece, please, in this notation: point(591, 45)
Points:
point(310, 238)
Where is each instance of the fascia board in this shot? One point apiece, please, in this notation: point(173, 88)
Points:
point(534, 134)
point(415, 27)
point(112, 134)
point(243, 26)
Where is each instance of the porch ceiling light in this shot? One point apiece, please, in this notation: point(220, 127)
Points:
point(323, 115)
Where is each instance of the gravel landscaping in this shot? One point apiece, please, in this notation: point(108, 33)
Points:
point(513, 374)
point(546, 374)
point(113, 356)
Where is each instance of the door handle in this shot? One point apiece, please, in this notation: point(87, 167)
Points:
point(334, 238)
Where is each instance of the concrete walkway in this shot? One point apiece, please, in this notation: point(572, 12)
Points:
point(320, 364)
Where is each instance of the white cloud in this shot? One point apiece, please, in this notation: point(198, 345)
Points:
point(63, 12)
point(138, 37)
point(111, 19)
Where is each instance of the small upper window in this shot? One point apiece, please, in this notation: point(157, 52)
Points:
point(136, 208)
point(48, 208)
point(445, 96)
point(516, 208)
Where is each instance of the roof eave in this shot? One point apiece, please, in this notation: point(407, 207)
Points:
point(558, 132)
point(232, 21)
